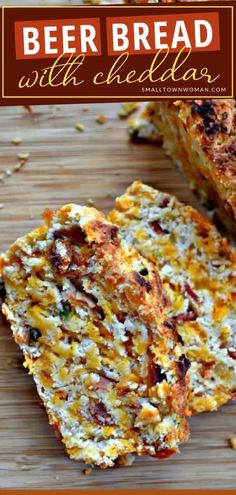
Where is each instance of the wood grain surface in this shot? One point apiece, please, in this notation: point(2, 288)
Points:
point(66, 165)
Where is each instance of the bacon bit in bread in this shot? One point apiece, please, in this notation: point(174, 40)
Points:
point(74, 234)
point(156, 375)
point(188, 316)
point(102, 384)
point(171, 324)
point(99, 413)
point(142, 282)
point(191, 293)
point(129, 342)
point(207, 368)
point(158, 229)
point(61, 255)
point(165, 202)
point(105, 233)
point(183, 366)
point(232, 354)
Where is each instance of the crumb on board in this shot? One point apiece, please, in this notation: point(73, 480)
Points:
point(85, 108)
point(126, 460)
point(1, 179)
point(23, 156)
point(127, 108)
point(232, 443)
point(16, 140)
point(101, 119)
point(8, 173)
point(1, 206)
point(90, 202)
point(19, 165)
point(79, 126)
point(9, 361)
point(24, 467)
point(28, 108)
point(87, 471)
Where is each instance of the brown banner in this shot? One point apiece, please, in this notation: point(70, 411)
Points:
point(117, 53)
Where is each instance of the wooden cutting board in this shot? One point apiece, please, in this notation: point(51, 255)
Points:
point(66, 165)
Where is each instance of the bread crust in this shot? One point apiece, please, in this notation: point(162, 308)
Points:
point(198, 271)
point(200, 136)
point(89, 317)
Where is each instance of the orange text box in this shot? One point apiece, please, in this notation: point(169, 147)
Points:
point(51, 38)
point(139, 35)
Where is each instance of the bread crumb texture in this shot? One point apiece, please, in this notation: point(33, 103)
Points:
point(89, 315)
point(198, 272)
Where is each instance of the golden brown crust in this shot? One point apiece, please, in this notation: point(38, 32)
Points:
point(200, 136)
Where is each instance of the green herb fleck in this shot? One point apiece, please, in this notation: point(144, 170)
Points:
point(66, 311)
